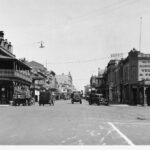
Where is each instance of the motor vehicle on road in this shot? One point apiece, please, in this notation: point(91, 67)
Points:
point(46, 98)
point(76, 97)
point(103, 101)
point(98, 99)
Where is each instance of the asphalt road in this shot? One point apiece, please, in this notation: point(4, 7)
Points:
point(74, 124)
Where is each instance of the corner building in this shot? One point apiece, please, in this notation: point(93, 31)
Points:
point(14, 74)
point(136, 78)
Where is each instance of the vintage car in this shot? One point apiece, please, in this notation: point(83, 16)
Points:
point(21, 98)
point(94, 99)
point(104, 101)
point(76, 97)
point(98, 99)
point(45, 98)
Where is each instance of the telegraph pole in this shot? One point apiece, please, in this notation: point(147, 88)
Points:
point(140, 39)
point(46, 64)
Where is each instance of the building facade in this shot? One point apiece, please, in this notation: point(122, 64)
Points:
point(65, 85)
point(14, 74)
point(41, 79)
point(112, 80)
point(136, 78)
point(97, 83)
point(128, 80)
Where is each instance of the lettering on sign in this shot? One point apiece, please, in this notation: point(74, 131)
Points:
point(144, 70)
point(143, 55)
point(116, 55)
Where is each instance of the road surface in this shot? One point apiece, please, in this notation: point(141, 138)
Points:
point(74, 124)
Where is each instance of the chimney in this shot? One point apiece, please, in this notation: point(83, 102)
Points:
point(1, 35)
point(9, 47)
point(99, 72)
point(6, 44)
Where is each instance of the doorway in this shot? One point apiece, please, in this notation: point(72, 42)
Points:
point(134, 91)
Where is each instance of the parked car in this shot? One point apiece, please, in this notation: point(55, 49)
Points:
point(76, 97)
point(97, 99)
point(94, 99)
point(103, 101)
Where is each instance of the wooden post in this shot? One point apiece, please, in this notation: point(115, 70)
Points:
point(145, 96)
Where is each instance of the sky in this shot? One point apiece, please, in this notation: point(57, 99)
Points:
point(79, 35)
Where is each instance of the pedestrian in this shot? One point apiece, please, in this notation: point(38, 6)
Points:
point(52, 98)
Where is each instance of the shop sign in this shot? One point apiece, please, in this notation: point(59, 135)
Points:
point(116, 56)
point(144, 70)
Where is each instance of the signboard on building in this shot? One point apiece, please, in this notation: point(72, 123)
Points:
point(116, 56)
point(144, 55)
point(143, 70)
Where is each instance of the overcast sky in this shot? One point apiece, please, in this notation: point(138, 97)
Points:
point(79, 35)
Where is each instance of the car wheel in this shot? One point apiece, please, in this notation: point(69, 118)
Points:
point(107, 104)
point(90, 102)
point(80, 101)
point(53, 103)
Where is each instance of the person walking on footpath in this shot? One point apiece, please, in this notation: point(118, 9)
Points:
point(52, 98)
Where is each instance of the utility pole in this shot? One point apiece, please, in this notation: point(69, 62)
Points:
point(46, 64)
point(140, 39)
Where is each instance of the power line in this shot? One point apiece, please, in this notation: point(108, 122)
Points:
point(81, 61)
point(100, 12)
point(104, 10)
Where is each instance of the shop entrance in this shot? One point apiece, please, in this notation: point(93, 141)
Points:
point(134, 90)
point(148, 96)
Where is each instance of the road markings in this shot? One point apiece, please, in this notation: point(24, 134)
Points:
point(92, 133)
point(63, 141)
point(103, 138)
point(80, 142)
point(121, 134)
point(101, 127)
point(68, 139)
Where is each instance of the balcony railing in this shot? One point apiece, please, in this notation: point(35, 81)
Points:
point(8, 73)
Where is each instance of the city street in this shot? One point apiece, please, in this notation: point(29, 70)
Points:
point(74, 124)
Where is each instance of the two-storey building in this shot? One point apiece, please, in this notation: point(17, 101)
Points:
point(14, 74)
point(136, 78)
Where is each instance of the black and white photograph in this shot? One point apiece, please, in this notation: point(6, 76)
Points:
point(75, 73)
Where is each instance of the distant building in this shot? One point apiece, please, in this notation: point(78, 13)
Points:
point(37, 66)
point(41, 79)
point(65, 84)
point(111, 80)
point(97, 82)
point(87, 89)
point(53, 84)
point(38, 74)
